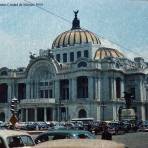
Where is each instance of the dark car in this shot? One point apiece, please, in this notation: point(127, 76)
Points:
point(64, 134)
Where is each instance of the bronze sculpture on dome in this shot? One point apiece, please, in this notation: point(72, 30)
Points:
point(76, 12)
point(76, 22)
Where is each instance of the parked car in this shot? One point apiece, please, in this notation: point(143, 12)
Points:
point(11, 138)
point(77, 143)
point(116, 127)
point(64, 134)
point(144, 127)
point(2, 124)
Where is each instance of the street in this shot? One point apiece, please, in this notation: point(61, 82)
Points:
point(132, 140)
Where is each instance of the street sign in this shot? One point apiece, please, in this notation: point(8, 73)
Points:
point(13, 119)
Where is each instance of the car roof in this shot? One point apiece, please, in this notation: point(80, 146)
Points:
point(5, 133)
point(80, 143)
point(67, 131)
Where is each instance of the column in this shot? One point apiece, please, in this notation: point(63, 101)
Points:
point(70, 89)
point(45, 114)
point(143, 113)
point(35, 114)
point(9, 97)
point(122, 88)
point(114, 112)
point(16, 90)
point(37, 89)
point(74, 89)
point(90, 88)
point(12, 88)
point(35, 84)
point(9, 92)
point(99, 89)
point(31, 89)
point(53, 114)
point(57, 90)
point(139, 91)
point(26, 114)
point(113, 89)
point(96, 88)
point(27, 89)
point(98, 113)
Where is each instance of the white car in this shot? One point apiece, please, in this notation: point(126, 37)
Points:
point(12, 138)
point(79, 143)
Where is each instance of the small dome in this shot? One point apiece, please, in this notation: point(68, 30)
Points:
point(75, 36)
point(101, 53)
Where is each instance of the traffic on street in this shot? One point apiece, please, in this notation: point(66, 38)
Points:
point(131, 134)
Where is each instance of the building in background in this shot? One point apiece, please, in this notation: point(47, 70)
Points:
point(82, 75)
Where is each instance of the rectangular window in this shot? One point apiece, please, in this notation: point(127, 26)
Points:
point(46, 83)
point(50, 93)
point(21, 91)
point(41, 94)
point(71, 56)
point(78, 54)
point(58, 58)
point(46, 93)
point(86, 53)
point(133, 92)
point(65, 57)
point(41, 84)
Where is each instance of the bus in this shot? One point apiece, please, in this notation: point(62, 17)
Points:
point(83, 120)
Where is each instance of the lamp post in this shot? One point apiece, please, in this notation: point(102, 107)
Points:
point(103, 107)
point(14, 111)
point(14, 103)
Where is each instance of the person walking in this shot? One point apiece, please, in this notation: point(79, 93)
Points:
point(106, 135)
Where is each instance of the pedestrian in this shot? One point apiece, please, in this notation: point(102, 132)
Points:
point(106, 135)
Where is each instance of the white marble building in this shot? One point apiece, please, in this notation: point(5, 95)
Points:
point(82, 75)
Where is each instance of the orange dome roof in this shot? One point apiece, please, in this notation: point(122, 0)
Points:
point(75, 36)
point(103, 52)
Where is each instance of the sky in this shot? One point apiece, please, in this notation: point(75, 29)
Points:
point(25, 29)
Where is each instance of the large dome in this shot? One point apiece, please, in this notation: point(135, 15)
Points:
point(75, 36)
point(103, 52)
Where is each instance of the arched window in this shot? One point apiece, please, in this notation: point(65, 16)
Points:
point(117, 65)
point(82, 64)
point(63, 114)
point(3, 93)
point(82, 114)
point(82, 87)
point(118, 87)
point(64, 89)
point(2, 116)
point(146, 80)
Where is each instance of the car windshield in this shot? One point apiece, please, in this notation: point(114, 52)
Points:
point(20, 141)
point(86, 135)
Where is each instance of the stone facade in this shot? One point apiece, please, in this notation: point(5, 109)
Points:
point(83, 79)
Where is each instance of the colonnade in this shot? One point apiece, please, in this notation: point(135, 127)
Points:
point(38, 114)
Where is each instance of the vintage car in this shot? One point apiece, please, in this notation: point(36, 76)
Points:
point(12, 138)
point(80, 143)
point(63, 134)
